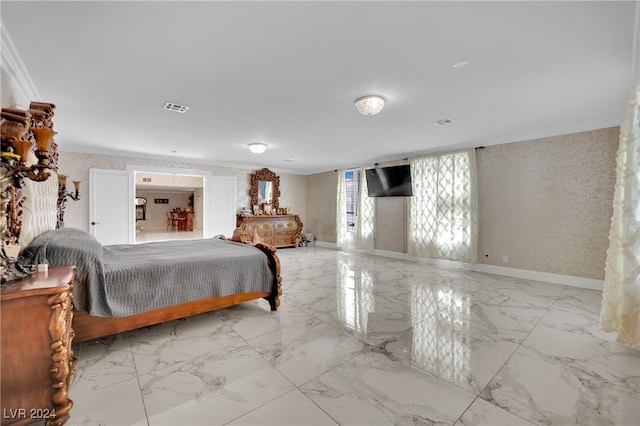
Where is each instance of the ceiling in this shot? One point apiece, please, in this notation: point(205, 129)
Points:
point(287, 74)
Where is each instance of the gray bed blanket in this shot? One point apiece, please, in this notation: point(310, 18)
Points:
point(123, 280)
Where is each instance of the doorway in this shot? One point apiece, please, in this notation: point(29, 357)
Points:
point(112, 209)
point(173, 206)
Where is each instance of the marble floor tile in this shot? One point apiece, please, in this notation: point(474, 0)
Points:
point(483, 413)
point(171, 343)
point(374, 390)
point(467, 356)
point(577, 310)
point(293, 408)
point(518, 295)
point(312, 301)
point(371, 323)
point(118, 404)
point(559, 377)
point(307, 350)
point(361, 339)
point(103, 362)
point(211, 389)
point(253, 319)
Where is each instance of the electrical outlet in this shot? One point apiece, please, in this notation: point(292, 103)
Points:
point(505, 258)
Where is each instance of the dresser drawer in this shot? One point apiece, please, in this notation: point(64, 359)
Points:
point(283, 241)
point(278, 231)
point(285, 225)
point(285, 232)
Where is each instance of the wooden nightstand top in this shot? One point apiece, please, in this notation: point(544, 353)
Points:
point(39, 283)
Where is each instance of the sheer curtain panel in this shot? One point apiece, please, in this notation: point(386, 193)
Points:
point(621, 294)
point(443, 209)
point(366, 216)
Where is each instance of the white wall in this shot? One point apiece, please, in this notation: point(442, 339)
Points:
point(76, 166)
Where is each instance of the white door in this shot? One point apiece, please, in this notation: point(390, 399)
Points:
point(220, 206)
point(111, 210)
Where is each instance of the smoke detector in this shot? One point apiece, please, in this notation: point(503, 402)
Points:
point(172, 106)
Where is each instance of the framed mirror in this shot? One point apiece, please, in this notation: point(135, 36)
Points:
point(264, 189)
point(141, 208)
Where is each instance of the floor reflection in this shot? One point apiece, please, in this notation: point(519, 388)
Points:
point(355, 295)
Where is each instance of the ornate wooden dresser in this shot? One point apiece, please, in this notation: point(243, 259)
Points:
point(275, 230)
point(37, 359)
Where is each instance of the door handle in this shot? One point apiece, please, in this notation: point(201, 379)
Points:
point(95, 223)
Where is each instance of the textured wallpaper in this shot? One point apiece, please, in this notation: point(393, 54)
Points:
point(321, 206)
point(546, 204)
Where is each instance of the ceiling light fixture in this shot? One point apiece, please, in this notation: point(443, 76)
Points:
point(172, 106)
point(444, 122)
point(460, 63)
point(257, 148)
point(370, 104)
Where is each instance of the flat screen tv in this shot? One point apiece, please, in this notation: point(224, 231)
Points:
point(394, 181)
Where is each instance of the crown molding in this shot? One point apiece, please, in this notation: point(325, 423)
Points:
point(635, 51)
point(16, 72)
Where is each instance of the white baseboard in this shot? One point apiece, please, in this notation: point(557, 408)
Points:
point(568, 280)
point(547, 277)
point(325, 244)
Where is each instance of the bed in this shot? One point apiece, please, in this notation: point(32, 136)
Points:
point(123, 287)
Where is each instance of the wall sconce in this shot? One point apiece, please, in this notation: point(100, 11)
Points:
point(18, 133)
point(62, 197)
point(14, 169)
point(16, 164)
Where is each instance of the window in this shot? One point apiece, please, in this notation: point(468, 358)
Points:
point(355, 213)
point(352, 185)
point(442, 212)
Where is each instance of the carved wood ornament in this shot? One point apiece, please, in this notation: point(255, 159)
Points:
point(64, 363)
point(254, 190)
point(18, 127)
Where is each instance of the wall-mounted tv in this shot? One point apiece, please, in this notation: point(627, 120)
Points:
point(394, 181)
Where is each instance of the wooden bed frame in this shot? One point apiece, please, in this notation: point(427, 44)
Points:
point(88, 327)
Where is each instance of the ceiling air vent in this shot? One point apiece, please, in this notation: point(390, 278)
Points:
point(170, 106)
point(444, 122)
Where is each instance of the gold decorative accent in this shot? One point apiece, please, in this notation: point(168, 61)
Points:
point(64, 363)
point(265, 175)
point(62, 197)
point(19, 130)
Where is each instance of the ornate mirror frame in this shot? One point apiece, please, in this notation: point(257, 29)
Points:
point(264, 175)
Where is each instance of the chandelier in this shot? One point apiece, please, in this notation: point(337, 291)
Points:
point(370, 104)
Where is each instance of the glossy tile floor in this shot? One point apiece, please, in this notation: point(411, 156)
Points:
point(364, 340)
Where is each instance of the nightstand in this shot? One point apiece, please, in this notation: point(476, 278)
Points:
point(37, 359)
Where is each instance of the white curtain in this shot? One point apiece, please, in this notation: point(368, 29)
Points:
point(621, 294)
point(366, 216)
point(342, 237)
point(443, 209)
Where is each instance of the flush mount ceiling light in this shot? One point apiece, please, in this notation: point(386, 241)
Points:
point(257, 148)
point(370, 104)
